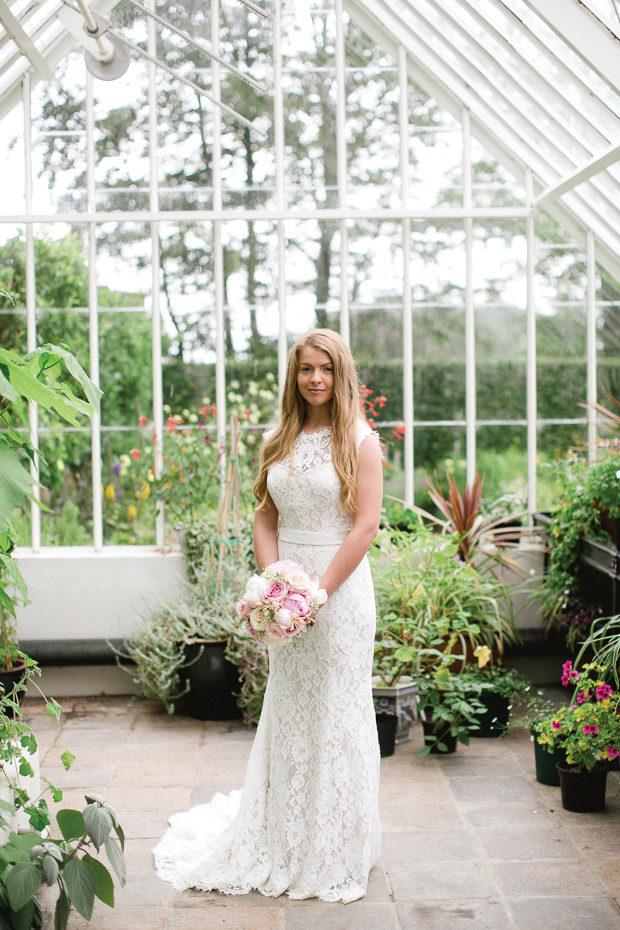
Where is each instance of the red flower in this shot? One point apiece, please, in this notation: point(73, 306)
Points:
point(399, 432)
point(142, 421)
point(171, 424)
point(135, 454)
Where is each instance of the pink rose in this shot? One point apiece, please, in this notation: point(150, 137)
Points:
point(242, 608)
point(297, 605)
point(298, 581)
point(275, 634)
point(276, 591)
point(297, 626)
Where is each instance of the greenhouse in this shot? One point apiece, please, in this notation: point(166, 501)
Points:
point(189, 188)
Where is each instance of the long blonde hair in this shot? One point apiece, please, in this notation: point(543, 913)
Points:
point(345, 415)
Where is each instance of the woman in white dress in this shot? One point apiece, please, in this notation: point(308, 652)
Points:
point(307, 821)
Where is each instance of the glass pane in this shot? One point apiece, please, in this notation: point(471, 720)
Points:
point(66, 479)
point(126, 482)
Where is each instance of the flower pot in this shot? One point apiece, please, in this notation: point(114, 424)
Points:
point(546, 763)
point(386, 730)
point(213, 681)
point(9, 677)
point(582, 792)
point(494, 720)
point(443, 736)
point(399, 699)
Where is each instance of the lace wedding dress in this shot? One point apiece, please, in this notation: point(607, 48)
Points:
point(307, 820)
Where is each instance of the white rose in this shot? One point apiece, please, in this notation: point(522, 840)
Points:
point(259, 619)
point(319, 596)
point(283, 618)
point(255, 590)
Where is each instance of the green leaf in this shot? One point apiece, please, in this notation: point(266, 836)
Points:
point(51, 869)
point(117, 861)
point(62, 911)
point(105, 885)
point(98, 824)
point(15, 482)
point(25, 768)
point(28, 741)
point(67, 759)
point(422, 751)
point(119, 832)
point(54, 791)
point(24, 917)
point(53, 709)
point(81, 884)
point(71, 824)
point(22, 884)
point(5, 806)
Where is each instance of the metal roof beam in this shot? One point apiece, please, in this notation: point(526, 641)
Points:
point(24, 42)
point(585, 34)
point(591, 167)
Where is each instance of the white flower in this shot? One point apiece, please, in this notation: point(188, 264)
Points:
point(318, 596)
point(618, 473)
point(259, 619)
point(255, 590)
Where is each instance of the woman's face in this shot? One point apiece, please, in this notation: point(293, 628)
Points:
point(315, 377)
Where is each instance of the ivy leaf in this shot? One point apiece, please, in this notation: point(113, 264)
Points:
point(67, 759)
point(81, 884)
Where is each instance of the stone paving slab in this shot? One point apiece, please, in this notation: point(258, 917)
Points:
point(471, 841)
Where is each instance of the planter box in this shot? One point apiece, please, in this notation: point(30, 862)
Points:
point(401, 700)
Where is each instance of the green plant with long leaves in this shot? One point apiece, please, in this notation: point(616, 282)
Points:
point(39, 377)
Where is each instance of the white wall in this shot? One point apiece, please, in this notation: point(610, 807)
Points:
point(77, 593)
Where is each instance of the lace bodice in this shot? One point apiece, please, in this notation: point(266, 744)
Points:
point(307, 495)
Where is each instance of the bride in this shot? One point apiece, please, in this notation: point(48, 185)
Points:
point(307, 821)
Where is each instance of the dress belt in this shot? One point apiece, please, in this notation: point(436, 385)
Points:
point(312, 537)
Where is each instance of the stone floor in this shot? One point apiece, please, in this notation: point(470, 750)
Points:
point(469, 841)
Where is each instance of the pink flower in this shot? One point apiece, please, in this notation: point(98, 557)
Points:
point(285, 565)
point(613, 753)
point(590, 728)
point(297, 605)
point(556, 725)
point(298, 625)
point(583, 696)
point(274, 633)
point(276, 591)
point(283, 618)
point(604, 691)
point(242, 608)
point(298, 581)
point(568, 673)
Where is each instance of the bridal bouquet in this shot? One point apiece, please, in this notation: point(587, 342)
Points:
point(280, 603)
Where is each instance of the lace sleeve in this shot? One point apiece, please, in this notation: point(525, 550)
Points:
point(364, 430)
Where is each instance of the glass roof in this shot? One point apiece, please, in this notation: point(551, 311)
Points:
point(540, 79)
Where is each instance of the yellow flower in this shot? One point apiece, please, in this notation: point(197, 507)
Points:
point(132, 513)
point(110, 493)
point(144, 493)
point(483, 654)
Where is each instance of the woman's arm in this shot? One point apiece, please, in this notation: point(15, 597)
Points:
point(368, 500)
point(266, 536)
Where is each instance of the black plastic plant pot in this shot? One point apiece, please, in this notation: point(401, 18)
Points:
point(434, 735)
point(493, 722)
point(213, 682)
point(583, 792)
point(546, 762)
point(386, 731)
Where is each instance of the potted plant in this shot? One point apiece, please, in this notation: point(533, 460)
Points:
point(536, 715)
point(588, 730)
point(499, 687)
point(450, 708)
point(41, 852)
point(39, 377)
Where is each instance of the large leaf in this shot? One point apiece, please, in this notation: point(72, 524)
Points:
point(98, 824)
point(71, 824)
point(93, 393)
point(22, 883)
point(81, 884)
point(105, 885)
point(117, 861)
point(15, 482)
point(24, 918)
point(62, 911)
